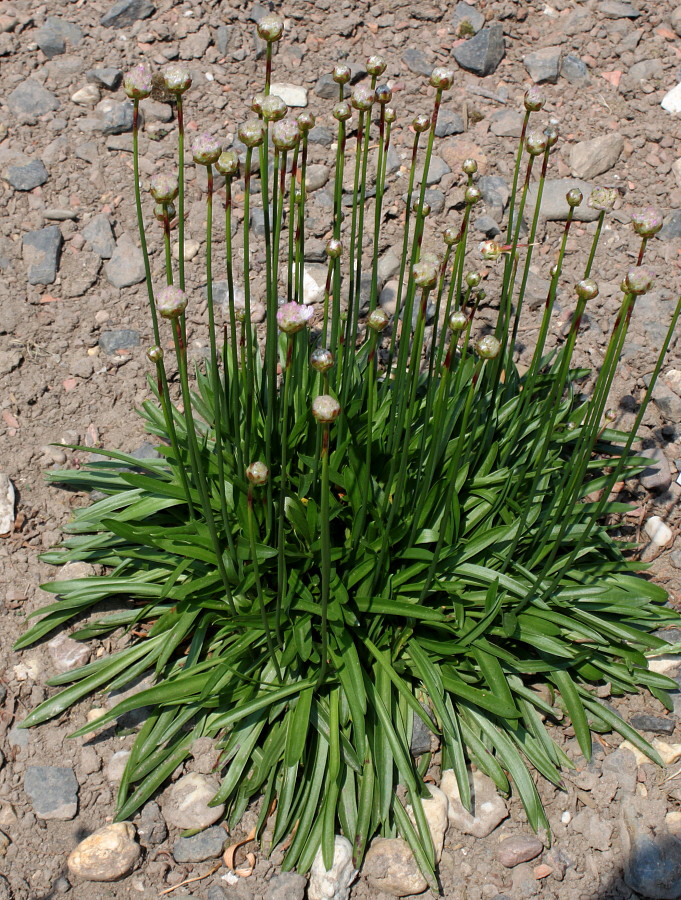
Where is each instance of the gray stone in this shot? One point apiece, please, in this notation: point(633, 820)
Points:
point(215, 892)
point(506, 123)
point(186, 802)
point(618, 9)
point(554, 206)
point(320, 134)
point(286, 886)
point(652, 866)
point(574, 70)
point(518, 848)
point(543, 65)
point(31, 99)
point(52, 37)
point(437, 170)
point(591, 158)
point(328, 89)
point(126, 12)
point(671, 230)
point(108, 78)
point(646, 69)
point(120, 339)
point(495, 192)
point(651, 314)
point(621, 765)
point(448, 123)
point(488, 226)
point(658, 476)
point(392, 161)
point(656, 724)
point(111, 117)
point(465, 13)
point(257, 221)
point(435, 198)
point(53, 791)
point(207, 844)
point(316, 176)
point(126, 266)
point(417, 61)
point(676, 20)
point(28, 176)
point(596, 830)
point(146, 450)
point(222, 35)
point(99, 235)
point(41, 251)
point(151, 828)
point(420, 734)
point(482, 53)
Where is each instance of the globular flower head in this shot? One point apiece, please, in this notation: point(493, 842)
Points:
point(325, 409)
point(536, 143)
point(442, 78)
point(252, 133)
point(639, 279)
point(257, 473)
point(376, 65)
point(321, 359)
point(425, 271)
point(176, 79)
point(451, 235)
point(602, 198)
point(390, 115)
point(285, 134)
point(377, 319)
point(171, 302)
point(306, 121)
point(163, 187)
point(551, 133)
point(137, 82)
point(586, 289)
point(473, 279)
point(273, 108)
point(469, 166)
point(425, 208)
point(534, 99)
point(488, 347)
point(574, 197)
point(293, 317)
point(458, 320)
point(647, 222)
point(341, 74)
point(163, 211)
point(206, 149)
point(420, 123)
point(363, 97)
point(383, 94)
point(472, 195)
point(270, 28)
point(341, 111)
point(490, 250)
point(227, 163)
point(256, 103)
point(334, 248)
point(155, 354)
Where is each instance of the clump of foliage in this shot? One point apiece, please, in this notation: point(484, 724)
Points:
point(361, 521)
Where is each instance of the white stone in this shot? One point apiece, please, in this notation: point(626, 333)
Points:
point(658, 531)
point(191, 248)
point(86, 96)
point(116, 766)
point(639, 755)
point(669, 753)
point(6, 504)
point(106, 855)
point(74, 570)
point(28, 670)
point(185, 803)
point(664, 665)
point(673, 376)
point(672, 100)
point(488, 807)
point(333, 883)
point(313, 285)
point(436, 811)
point(67, 654)
point(291, 94)
point(566, 817)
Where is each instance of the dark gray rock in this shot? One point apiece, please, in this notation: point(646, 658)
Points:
point(126, 266)
point(126, 12)
point(108, 78)
point(646, 69)
point(495, 191)
point(392, 161)
point(417, 61)
point(617, 9)
point(207, 844)
point(652, 866)
point(215, 892)
point(488, 226)
point(286, 886)
point(622, 766)
point(258, 221)
point(328, 89)
point(53, 791)
point(657, 476)
point(113, 116)
point(671, 230)
point(99, 235)
point(437, 170)
point(52, 37)
point(146, 450)
point(543, 65)
point(151, 827)
point(420, 734)
point(31, 99)
point(41, 251)
point(482, 53)
point(29, 176)
point(465, 13)
point(668, 403)
point(320, 134)
point(448, 123)
point(574, 70)
point(222, 35)
point(656, 724)
point(434, 197)
point(120, 339)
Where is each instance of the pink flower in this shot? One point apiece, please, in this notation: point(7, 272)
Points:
point(292, 317)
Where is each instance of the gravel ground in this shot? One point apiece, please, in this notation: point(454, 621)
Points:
point(74, 326)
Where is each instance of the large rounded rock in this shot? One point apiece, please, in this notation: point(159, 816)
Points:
point(107, 855)
point(488, 809)
point(185, 803)
point(333, 883)
point(390, 867)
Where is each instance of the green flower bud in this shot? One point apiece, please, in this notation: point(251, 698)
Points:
point(472, 195)
point(325, 409)
point(383, 94)
point(451, 235)
point(488, 347)
point(334, 248)
point(341, 111)
point(378, 319)
point(363, 97)
point(228, 163)
point(551, 133)
point(425, 209)
point(469, 166)
point(306, 121)
point(163, 187)
point(458, 320)
point(176, 79)
point(252, 133)
point(137, 82)
point(171, 302)
point(602, 198)
point(473, 279)
point(270, 28)
point(442, 78)
point(553, 271)
point(574, 197)
point(390, 115)
point(206, 149)
point(647, 222)
point(639, 280)
point(534, 99)
point(610, 415)
point(420, 123)
point(273, 108)
point(341, 74)
point(257, 473)
point(376, 65)
point(256, 103)
point(285, 134)
point(536, 143)
point(586, 289)
point(161, 210)
point(425, 271)
point(155, 354)
point(321, 359)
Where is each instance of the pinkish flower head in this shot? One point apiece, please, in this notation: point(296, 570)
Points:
point(285, 134)
point(647, 222)
point(293, 317)
point(163, 187)
point(171, 302)
point(206, 149)
point(257, 473)
point(137, 82)
point(602, 198)
point(321, 359)
point(363, 97)
point(176, 79)
point(325, 409)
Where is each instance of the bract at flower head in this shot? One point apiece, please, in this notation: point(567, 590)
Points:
point(488, 347)
point(442, 78)
point(270, 28)
point(306, 121)
point(155, 354)
point(639, 279)
point(171, 302)
point(341, 74)
point(363, 97)
point(273, 108)
point(376, 65)
point(137, 82)
point(227, 163)
point(458, 320)
point(425, 271)
point(378, 319)
point(586, 289)
point(252, 133)
point(341, 111)
point(490, 249)
point(293, 317)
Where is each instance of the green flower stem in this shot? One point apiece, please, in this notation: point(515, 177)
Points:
point(367, 491)
point(327, 292)
point(140, 219)
point(516, 173)
point(268, 68)
point(166, 245)
point(325, 537)
point(292, 261)
point(282, 578)
point(642, 250)
point(197, 466)
point(594, 244)
point(457, 266)
point(258, 584)
point(180, 193)
point(300, 224)
point(233, 388)
point(378, 208)
point(246, 325)
point(337, 219)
